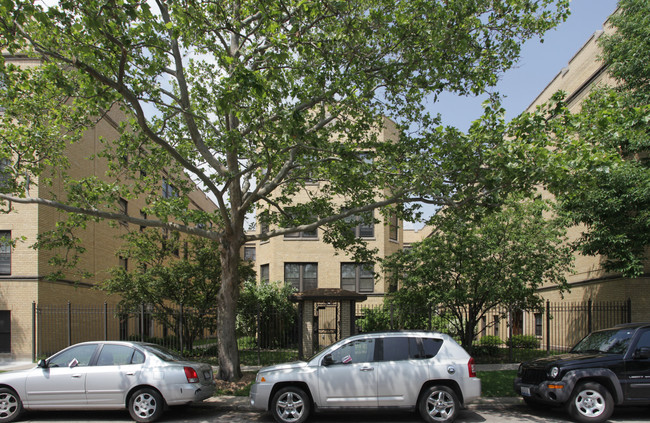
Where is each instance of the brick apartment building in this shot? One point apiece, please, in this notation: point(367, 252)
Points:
point(24, 270)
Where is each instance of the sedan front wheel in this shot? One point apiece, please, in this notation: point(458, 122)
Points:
point(10, 405)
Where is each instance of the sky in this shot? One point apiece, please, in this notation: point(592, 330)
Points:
point(539, 63)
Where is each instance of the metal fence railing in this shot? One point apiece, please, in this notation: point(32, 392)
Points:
point(556, 326)
point(262, 335)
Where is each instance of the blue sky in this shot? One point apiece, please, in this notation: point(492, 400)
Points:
point(538, 65)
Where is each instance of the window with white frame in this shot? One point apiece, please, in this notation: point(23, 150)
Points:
point(301, 276)
point(358, 277)
point(5, 252)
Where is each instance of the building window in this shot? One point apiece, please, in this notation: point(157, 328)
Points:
point(496, 325)
point(5, 331)
point(366, 226)
point(168, 190)
point(394, 227)
point(264, 273)
point(303, 235)
point(5, 252)
point(538, 324)
point(124, 263)
point(143, 216)
point(358, 277)
point(249, 253)
point(301, 276)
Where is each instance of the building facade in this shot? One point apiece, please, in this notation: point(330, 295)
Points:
point(24, 270)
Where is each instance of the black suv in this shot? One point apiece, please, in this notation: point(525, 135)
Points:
point(607, 367)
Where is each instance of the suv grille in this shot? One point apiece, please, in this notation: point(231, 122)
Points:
point(533, 376)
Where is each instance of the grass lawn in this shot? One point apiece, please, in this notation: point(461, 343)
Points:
point(497, 383)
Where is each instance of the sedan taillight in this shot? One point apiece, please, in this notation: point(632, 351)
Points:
point(191, 375)
point(471, 367)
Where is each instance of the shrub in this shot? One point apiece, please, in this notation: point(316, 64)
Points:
point(490, 341)
point(488, 346)
point(523, 341)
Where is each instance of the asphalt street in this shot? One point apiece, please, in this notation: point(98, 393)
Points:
point(510, 411)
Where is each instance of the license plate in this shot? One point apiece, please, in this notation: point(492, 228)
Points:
point(525, 391)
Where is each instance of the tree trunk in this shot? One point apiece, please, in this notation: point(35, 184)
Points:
point(227, 306)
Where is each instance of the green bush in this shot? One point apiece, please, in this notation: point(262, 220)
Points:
point(374, 319)
point(490, 341)
point(523, 341)
point(487, 346)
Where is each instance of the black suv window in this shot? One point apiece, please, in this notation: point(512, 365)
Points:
point(611, 341)
point(644, 340)
point(400, 348)
point(431, 347)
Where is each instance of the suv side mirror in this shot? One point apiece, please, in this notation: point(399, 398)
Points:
point(327, 360)
point(642, 353)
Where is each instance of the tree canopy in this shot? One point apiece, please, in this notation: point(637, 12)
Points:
point(613, 201)
point(256, 101)
point(480, 258)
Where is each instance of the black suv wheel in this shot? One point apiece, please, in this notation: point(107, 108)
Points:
point(590, 403)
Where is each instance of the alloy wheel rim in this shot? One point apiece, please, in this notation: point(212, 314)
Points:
point(440, 405)
point(8, 405)
point(290, 407)
point(144, 405)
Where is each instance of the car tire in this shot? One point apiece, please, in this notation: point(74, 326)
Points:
point(439, 404)
point(590, 403)
point(10, 405)
point(290, 405)
point(146, 405)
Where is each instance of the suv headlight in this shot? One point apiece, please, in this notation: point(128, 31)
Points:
point(554, 372)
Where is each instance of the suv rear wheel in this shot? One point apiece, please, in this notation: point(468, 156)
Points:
point(439, 404)
point(591, 403)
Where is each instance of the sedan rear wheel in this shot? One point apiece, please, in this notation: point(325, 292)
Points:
point(10, 405)
point(146, 405)
point(439, 404)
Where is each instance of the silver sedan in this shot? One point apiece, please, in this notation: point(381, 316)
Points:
point(103, 375)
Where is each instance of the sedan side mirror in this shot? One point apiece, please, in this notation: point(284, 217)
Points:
point(327, 360)
point(42, 363)
point(642, 353)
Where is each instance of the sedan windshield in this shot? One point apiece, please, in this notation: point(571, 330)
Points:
point(613, 341)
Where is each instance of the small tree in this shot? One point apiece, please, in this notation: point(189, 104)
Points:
point(168, 272)
point(481, 258)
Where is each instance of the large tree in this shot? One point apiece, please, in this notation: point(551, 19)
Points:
point(613, 202)
point(256, 100)
point(480, 258)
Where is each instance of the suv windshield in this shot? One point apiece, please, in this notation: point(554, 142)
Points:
point(612, 341)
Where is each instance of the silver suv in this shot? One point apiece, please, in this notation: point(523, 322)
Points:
point(427, 371)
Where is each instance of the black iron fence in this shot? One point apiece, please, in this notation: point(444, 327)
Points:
point(556, 327)
point(264, 336)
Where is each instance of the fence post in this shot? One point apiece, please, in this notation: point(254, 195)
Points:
point(258, 334)
point(392, 327)
point(105, 321)
point(510, 334)
point(180, 321)
point(142, 322)
point(33, 331)
point(629, 310)
point(589, 321)
point(548, 327)
point(69, 323)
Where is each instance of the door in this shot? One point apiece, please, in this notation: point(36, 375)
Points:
point(401, 372)
point(351, 379)
point(636, 381)
point(117, 369)
point(63, 383)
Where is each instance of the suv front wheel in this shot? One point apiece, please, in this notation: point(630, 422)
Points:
point(290, 405)
point(439, 404)
point(591, 403)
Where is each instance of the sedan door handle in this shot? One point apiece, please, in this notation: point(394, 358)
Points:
point(367, 369)
point(76, 376)
point(130, 373)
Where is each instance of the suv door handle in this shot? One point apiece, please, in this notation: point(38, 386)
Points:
point(367, 369)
